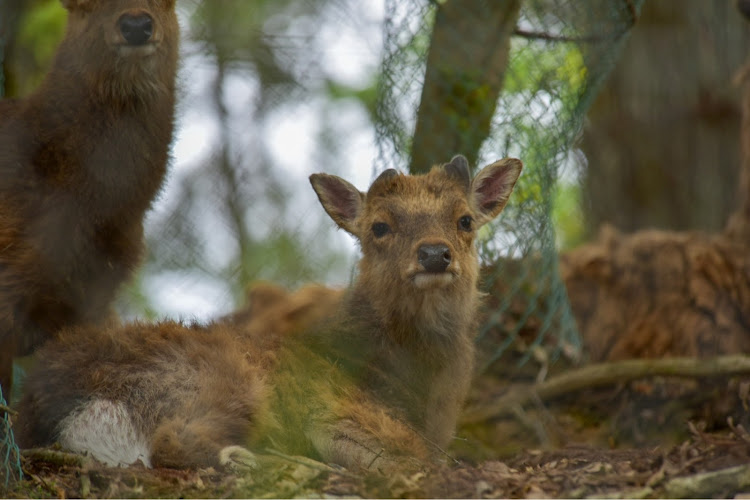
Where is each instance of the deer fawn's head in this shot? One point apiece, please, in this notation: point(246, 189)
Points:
point(419, 265)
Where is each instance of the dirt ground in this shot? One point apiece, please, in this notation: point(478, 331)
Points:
point(706, 465)
point(652, 438)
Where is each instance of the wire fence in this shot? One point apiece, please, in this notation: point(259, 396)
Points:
point(10, 456)
point(495, 79)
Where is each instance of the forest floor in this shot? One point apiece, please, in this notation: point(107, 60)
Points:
point(707, 465)
point(652, 438)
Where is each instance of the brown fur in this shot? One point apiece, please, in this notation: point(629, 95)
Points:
point(81, 160)
point(189, 389)
point(378, 381)
point(272, 311)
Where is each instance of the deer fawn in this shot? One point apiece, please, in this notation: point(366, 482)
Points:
point(81, 160)
point(378, 383)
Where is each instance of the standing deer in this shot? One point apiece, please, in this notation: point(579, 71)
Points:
point(81, 160)
point(377, 383)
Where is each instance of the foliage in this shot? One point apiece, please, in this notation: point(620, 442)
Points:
point(568, 216)
point(40, 29)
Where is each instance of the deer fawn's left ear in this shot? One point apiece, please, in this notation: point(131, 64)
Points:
point(340, 199)
point(492, 186)
point(458, 168)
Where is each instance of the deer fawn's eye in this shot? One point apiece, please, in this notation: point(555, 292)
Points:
point(464, 223)
point(380, 229)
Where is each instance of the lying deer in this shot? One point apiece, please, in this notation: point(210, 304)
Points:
point(376, 384)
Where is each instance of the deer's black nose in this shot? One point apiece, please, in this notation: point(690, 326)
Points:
point(434, 258)
point(136, 29)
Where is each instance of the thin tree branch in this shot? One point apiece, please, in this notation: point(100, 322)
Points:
point(308, 462)
point(707, 484)
point(55, 457)
point(603, 374)
point(8, 410)
point(550, 37)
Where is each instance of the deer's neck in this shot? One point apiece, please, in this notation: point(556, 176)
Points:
point(431, 324)
point(421, 363)
point(111, 154)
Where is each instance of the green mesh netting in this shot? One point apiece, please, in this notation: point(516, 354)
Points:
point(10, 457)
point(490, 79)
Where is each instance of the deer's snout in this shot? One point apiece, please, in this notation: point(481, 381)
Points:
point(136, 29)
point(434, 258)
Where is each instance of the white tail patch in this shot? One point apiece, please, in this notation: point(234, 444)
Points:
point(105, 430)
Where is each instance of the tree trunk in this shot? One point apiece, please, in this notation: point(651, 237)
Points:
point(466, 67)
point(738, 227)
point(662, 141)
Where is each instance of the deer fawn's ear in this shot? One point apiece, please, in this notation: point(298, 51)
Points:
point(458, 168)
point(341, 200)
point(492, 186)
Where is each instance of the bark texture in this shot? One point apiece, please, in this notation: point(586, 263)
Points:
point(659, 155)
point(466, 67)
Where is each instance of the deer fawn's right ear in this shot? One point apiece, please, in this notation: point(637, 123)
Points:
point(491, 188)
point(341, 200)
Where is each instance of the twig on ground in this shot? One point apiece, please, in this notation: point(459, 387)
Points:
point(8, 410)
point(738, 430)
point(55, 457)
point(308, 462)
point(709, 484)
point(603, 374)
